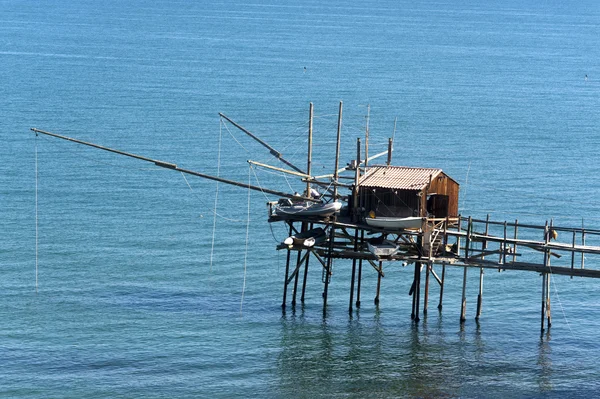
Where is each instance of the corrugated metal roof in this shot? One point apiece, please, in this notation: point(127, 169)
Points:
point(398, 177)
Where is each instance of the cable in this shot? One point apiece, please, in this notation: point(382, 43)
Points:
point(36, 214)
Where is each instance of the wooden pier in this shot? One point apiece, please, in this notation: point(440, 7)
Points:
point(404, 216)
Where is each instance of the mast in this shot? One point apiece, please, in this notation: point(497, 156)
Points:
point(337, 152)
point(309, 161)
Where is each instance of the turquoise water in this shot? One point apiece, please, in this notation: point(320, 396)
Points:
point(503, 96)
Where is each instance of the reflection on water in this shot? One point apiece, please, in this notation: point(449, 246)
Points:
point(361, 356)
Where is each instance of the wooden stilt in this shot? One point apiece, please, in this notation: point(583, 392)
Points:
point(305, 272)
point(353, 272)
point(463, 308)
point(296, 278)
point(480, 295)
point(287, 273)
point(360, 262)
point(378, 283)
point(543, 300)
point(484, 248)
point(548, 313)
point(426, 298)
point(413, 292)
point(442, 287)
point(417, 293)
point(328, 268)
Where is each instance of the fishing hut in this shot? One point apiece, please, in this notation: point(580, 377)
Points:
point(398, 215)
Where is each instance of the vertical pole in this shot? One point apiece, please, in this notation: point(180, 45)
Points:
point(417, 294)
point(389, 154)
point(360, 262)
point(481, 272)
point(378, 283)
point(337, 152)
point(287, 273)
point(458, 236)
point(442, 286)
point(328, 268)
point(355, 205)
point(549, 316)
point(505, 247)
point(310, 138)
point(426, 298)
point(573, 252)
point(353, 271)
point(310, 226)
point(296, 277)
point(480, 295)
point(515, 237)
point(468, 239)
point(367, 136)
point(583, 245)
point(543, 300)
point(463, 308)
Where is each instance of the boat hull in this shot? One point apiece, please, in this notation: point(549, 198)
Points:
point(393, 223)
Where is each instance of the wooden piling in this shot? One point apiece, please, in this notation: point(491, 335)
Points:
point(287, 272)
point(426, 297)
point(543, 301)
point(442, 286)
point(360, 262)
point(378, 283)
point(353, 272)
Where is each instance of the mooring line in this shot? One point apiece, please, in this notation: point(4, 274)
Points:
point(551, 276)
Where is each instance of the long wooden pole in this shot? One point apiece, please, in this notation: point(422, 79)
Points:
point(173, 166)
point(272, 150)
point(310, 138)
point(337, 151)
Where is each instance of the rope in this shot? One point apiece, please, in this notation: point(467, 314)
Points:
point(551, 276)
point(247, 235)
point(36, 214)
point(212, 247)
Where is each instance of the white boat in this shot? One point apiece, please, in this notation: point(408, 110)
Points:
point(289, 208)
point(396, 223)
point(306, 239)
point(381, 247)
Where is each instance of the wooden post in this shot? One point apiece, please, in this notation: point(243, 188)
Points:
point(458, 237)
point(515, 237)
point(360, 262)
point(378, 283)
point(583, 245)
point(367, 137)
point(484, 247)
point(543, 300)
point(310, 226)
point(573, 251)
point(426, 298)
point(337, 153)
point(548, 314)
point(328, 268)
point(417, 294)
point(310, 138)
point(442, 286)
point(463, 308)
point(353, 271)
point(355, 205)
point(389, 156)
point(297, 276)
point(505, 247)
point(287, 273)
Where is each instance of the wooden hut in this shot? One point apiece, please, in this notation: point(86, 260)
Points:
point(402, 191)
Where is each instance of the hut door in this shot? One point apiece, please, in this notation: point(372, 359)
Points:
point(437, 205)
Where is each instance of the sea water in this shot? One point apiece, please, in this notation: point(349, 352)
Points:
point(133, 288)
